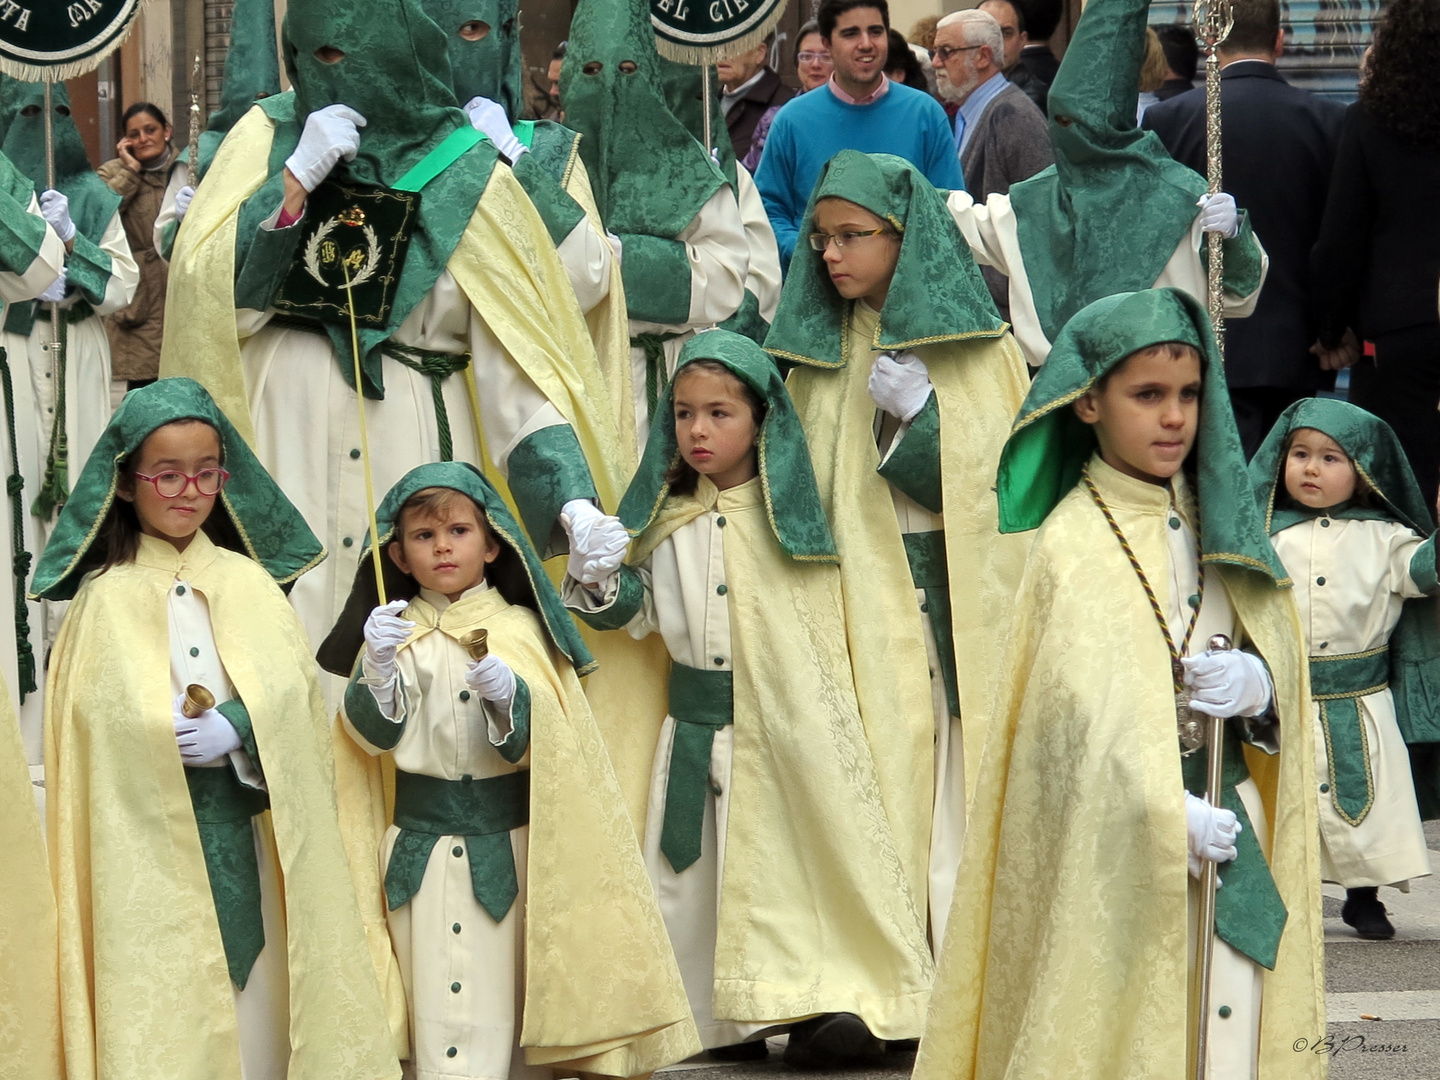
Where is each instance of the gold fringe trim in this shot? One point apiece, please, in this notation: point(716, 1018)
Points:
point(701, 54)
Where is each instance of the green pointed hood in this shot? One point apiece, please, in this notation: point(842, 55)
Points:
point(1107, 216)
point(517, 573)
point(685, 97)
point(491, 67)
point(649, 174)
point(792, 500)
point(1049, 444)
point(397, 75)
point(936, 294)
point(1370, 444)
point(265, 525)
point(92, 203)
point(252, 71)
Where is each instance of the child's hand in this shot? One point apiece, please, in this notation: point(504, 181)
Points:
point(900, 384)
point(205, 738)
point(491, 678)
point(597, 543)
point(385, 632)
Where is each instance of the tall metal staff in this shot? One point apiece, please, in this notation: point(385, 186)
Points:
point(1213, 22)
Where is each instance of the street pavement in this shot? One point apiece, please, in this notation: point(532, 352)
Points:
point(1397, 983)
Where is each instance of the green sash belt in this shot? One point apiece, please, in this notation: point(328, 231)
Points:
point(701, 702)
point(1249, 914)
point(1338, 683)
point(930, 573)
point(482, 811)
point(223, 809)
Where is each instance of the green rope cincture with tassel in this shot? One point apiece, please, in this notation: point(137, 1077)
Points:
point(438, 367)
point(655, 378)
point(20, 562)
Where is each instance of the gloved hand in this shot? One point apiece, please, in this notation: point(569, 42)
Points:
point(616, 246)
point(182, 202)
point(1227, 683)
point(55, 208)
point(1218, 214)
point(900, 384)
point(56, 292)
point(488, 118)
point(206, 738)
point(597, 543)
point(330, 134)
point(1212, 833)
point(385, 631)
point(491, 678)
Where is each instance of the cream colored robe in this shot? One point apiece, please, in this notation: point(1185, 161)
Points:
point(799, 903)
point(990, 230)
point(1067, 953)
point(578, 973)
point(1365, 567)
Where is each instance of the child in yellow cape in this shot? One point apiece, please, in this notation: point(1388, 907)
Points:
point(525, 932)
point(173, 820)
point(906, 380)
point(1072, 940)
point(766, 836)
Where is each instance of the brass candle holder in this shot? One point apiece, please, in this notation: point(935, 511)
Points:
point(476, 643)
point(197, 700)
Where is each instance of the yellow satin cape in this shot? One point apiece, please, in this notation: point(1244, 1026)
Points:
point(811, 870)
point(145, 990)
point(979, 387)
point(602, 991)
point(1066, 950)
point(29, 983)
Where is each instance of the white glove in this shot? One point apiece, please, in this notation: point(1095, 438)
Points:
point(206, 738)
point(182, 202)
point(1212, 831)
point(900, 384)
point(492, 679)
point(385, 631)
point(488, 118)
point(56, 292)
point(597, 543)
point(1218, 214)
point(330, 134)
point(1228, 683)
point(616, 246)
point(55, 208)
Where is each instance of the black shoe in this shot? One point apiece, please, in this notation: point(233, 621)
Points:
point(902, 1046)
point(1364, 911)
point(745, 1051)
point(831, 1041)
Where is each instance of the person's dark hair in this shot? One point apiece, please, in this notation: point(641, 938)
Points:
point(902, 59)
point(811, 27)
point(831, 10)
point(1257, 22)
point(1400, 90)
point(681, 477)
point(118, 539)
point(1021, 24)
point(142, 107)
point(1182, 54)
point(506, 573)
point(1039, 18)
point(560, 51)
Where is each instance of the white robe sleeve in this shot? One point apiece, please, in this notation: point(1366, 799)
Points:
point(762, 279)
point(587, 257)
point(124, 273)
point(179, 177)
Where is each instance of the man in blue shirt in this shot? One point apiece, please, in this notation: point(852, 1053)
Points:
point(859, 109)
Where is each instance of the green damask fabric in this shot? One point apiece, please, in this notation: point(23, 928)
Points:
point(1337, 683)
point(649, 174)
point(792, 501)
point(270, 529)
point(936, 293)
point(1049, 444)
point(252, 72)
point(702, 702)
point(685, 97)
point(92, 203)
point(529, 586)
point(913, 464)
point(395, 73)
point(930, 571)
point(21, 232)
point(1107, 216)
point(491, 67)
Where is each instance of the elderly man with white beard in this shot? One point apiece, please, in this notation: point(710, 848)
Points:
point(1000, 134)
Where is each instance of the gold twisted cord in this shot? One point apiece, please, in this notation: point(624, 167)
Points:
point(1145, 584)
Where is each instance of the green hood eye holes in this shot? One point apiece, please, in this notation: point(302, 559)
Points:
point(594, 67)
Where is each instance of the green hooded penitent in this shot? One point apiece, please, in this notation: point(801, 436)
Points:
point(92, 203)
point(1413, 670)
point(792, 501)
point(518, 573)
point(396, 74)
point(252, 72)
point(936, 293)
point(252, 515)
point(649, 174)
point(1107, 216)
